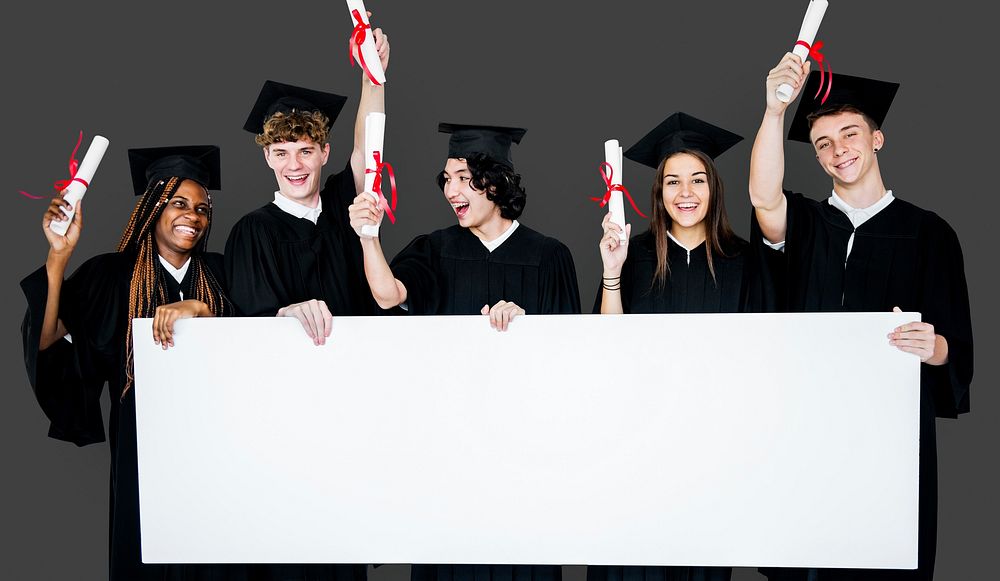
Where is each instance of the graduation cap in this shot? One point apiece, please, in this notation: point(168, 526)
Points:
point(201, 163)
point(494, 142)
point(279, 97)
point(678, 132)
point(871, 96)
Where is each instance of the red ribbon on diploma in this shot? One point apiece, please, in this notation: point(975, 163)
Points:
point(606, 176)
point(74, 165)
point(359, 37)
point(821, 59)
point(377, 186)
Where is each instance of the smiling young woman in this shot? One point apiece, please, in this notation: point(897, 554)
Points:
point(78, 333)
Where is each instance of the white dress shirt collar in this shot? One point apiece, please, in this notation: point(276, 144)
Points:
point(298, 210)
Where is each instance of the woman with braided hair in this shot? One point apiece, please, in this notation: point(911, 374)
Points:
point(78, 333)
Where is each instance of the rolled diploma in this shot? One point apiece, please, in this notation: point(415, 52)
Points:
point(374, 138)
point(810, 26)
point(616, 205)
point(75, 190)
point(368, 46)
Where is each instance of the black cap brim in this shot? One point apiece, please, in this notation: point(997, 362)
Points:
point(275, 97)
point(491, 140)
point(681, 132)
point(871, 96)
point(201, 163)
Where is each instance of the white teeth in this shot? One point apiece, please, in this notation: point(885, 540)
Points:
point(187, 230)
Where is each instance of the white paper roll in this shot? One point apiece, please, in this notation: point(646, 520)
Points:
point(368, 46)
point(616, 205)
point(77, 188)
point(807, 33)
point(374, 140)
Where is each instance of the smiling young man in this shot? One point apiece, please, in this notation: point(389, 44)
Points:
point(863, 249)
point(296, 256)
point(488, 263)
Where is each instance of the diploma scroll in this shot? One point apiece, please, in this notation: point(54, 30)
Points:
point(616, 205)
point(81, 180)
point(369, 56)
point(807, 35)
point(374, 139)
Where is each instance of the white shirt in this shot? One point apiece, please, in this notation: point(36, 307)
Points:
point(857, 216)
point(298, 210)
point(496, 242)
point(176, 273)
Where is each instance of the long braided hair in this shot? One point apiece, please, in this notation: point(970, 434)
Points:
point(148, 288)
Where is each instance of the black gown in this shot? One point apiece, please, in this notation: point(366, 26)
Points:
point(450, 272)
point(274, 259)
point(68, 379)
point(903, 256)
point(689, 288)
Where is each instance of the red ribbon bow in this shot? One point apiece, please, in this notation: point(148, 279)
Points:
point(606, 176)
point(74, 165)
point(821, 59)
point(377, 186)
point(359, 35)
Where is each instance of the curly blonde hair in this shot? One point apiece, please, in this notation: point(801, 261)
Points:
point(293, 126)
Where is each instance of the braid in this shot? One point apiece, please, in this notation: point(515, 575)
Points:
point(147, 289)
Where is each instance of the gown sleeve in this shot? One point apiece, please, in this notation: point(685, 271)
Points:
point(558, 291)
point(945, 304)
point(68, 377)
point(414, 267)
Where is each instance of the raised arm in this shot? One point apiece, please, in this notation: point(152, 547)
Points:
point(60, 250)
point(372, 101)
point(767, 160)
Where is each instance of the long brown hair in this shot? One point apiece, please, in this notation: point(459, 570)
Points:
point(148, 288)
point(718, 233)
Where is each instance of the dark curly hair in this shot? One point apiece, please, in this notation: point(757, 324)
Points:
point(501, 183)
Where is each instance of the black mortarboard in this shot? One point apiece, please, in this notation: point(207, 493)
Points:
point(871, 96)
point(678, 132)
point(494, 142)
point(201, 163)
point(275, 97)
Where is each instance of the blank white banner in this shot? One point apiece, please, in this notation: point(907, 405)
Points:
point(735, 439)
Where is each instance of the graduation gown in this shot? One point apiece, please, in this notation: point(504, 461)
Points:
point(689, 288)
point(274, 259)
point(903, 256)
point(68, 379)
point(450, 272)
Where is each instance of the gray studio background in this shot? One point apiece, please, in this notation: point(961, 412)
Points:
point(574, 74)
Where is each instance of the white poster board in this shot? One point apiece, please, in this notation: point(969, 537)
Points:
point(736, 439)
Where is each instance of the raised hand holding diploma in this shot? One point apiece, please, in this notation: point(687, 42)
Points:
point(79, 181)
point(804, 46)
point(367, 56)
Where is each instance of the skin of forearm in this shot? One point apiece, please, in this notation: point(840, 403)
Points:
point(387, 291)
point(372, 101)
point(767, 163)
